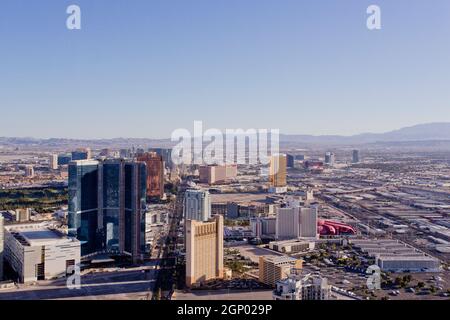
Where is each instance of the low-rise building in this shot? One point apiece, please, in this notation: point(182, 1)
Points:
point(36, 252)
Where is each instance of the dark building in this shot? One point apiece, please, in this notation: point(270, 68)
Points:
point(107, 206)
point(81, 154)
point(290, 161)
point(356, 156)
point(64, 159)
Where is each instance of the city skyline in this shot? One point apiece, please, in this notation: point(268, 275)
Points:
point(323, 73)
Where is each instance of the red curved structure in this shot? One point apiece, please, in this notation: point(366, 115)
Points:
point(333, 228)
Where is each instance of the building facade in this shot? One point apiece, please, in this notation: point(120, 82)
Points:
point(275, 268)
point(296, 222)
point(155, 174)
point(107, 206)
point(277, 173)
point(197, 205)
point(298, 287)
point(2, 245)
point(37, 252)
point(204, 250)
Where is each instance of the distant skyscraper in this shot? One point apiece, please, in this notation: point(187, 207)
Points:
point(290, 161)
point(107, 206)
point(64, 159)
point(165, 153)
point(197, 205)
point(155, 174)
point(2, 245)
point(53, 162)
point(29, 171)
point(215, 174)
point(277, 172)
point(81, 154)
point(356, 156)
point(204, 250)
point(125, 153)
point(330, 158)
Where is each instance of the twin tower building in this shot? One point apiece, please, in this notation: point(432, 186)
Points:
point(107, 204)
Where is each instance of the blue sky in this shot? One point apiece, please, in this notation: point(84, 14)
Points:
point(142, 68)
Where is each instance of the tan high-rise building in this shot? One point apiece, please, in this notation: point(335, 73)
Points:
point(275, 268)
point(204, 250)
point(277, 173)
point(53, 162)
point(155, 174)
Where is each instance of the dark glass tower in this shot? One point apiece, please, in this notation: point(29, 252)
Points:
point(117, 222)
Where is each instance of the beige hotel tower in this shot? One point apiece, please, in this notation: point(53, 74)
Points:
point(204, 250)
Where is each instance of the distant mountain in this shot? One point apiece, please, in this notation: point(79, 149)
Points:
point(421, 132)
point(417, 133)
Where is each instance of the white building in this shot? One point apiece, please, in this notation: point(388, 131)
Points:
point(263, 227)
point(197, 205)
point(53, 162)
point(298, 287)
point(292, 246)
point(36, 252)
point(296, 222)
point(400, 263)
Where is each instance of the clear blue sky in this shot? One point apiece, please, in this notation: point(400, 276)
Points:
point(142, 68)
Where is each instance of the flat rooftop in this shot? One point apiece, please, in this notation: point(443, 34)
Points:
point(38, 234)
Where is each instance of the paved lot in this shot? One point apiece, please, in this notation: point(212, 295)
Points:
point(254, 252)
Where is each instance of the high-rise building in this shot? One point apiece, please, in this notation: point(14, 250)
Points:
point(275, 268)
point(53, 162)
point(29, 172)
point(64, 159)
point(196, 205)
point(277, 173)
point(23, 215)
point(125, 153)
point(330, 158)
point(2, 245)
point(299, 287)
point(216, 174)
point(290, 161)
point(296, 222)
point(165, 153)
point(107, 206)
point(204, 250)
point(81, 154)
point(155, 174)
point(356, 156)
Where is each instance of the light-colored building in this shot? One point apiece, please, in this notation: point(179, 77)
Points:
point(398, 263)
point(296, 222)
point(204, 250)
point(299, 287)
point(53, 162)
point(2, 237)
point(263, 227)
point(277, 173)
point(275, 268)
point(196, 205)
point(23, 215)
point(292, 246)
point(216, 174)
point(37, 252)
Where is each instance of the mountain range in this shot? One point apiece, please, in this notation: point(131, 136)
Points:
point(418, 133)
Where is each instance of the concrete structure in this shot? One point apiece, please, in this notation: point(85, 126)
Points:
point(36, 252)
point(107, 206)
point(196, 205)
point(298, 287)
point(277, 173)
point(296, 222)
point(2, 244)
point(263, 227)
point(23, 215)
point(155, 174)
point(204, 250)
point(215, 174)
point(292, 246)
point(53, 162)
point(275, 268)
point(396, 256)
